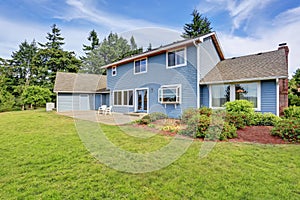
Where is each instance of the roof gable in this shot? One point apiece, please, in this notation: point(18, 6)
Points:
point(72, 82)
point(266, 65)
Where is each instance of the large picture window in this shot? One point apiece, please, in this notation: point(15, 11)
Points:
point(247, 91)
point(140, 66)
point(123, 98)
point(169, 94)
point(176, 58)
point(220, 94)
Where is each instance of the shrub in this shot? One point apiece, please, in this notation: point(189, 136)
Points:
point(157, 115)
point(239, 106)
point(222, 132)
point(171, 128)
point(239, 120)
point(266, 119)
point(288, 129)
point(205, 111)
point(292, 112)
point(147, 119)
point(188, 114)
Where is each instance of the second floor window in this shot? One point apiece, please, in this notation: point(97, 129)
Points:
point(176, 58)
point(140, 66)
point(114, 71)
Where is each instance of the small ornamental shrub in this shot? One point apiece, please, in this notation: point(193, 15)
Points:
point(157, 116)
point(239, 120)
point(239, 106)
point(144, 121)
point(200, 123)
point(228, 131)
point(288, 129)
point(205, 111)
point(188, 114)
point(266, 119)
point(171, 128)
point(292, 112)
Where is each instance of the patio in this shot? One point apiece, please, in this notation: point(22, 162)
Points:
point(113, 119)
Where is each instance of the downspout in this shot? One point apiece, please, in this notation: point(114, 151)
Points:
point(198, 73)
point(277, 97)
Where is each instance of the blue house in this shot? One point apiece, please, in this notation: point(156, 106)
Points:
point(194, 73)
point(190, 73)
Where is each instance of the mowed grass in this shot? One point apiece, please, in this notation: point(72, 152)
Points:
point(42, 157)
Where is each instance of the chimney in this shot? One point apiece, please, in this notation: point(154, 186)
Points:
point(286, 49)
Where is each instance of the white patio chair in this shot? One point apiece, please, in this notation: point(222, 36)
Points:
point(108, 110)
point(101, 109)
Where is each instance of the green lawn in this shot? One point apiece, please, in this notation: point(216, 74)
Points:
point(42, 157)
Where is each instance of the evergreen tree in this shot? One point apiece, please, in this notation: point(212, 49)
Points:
point(200, 25)
point(21, 63)
point(93, 38)
point(111, 49)
point(294, 89)
point(149, 47)
point(55, 40)
point(133, 45)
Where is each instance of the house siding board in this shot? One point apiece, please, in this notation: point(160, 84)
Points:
point(204, 96)
point(268, 96)
point(157, 74)
point(209, 57)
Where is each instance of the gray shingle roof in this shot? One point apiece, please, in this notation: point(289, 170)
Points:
point(266, 65)
point(72, 82)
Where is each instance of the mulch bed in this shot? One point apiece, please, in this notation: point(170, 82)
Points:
point(257, 134)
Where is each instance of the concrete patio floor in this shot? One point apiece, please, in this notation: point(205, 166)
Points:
point(113, 119)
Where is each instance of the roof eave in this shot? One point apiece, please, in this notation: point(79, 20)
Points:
point(242, 80)
point(167, 48)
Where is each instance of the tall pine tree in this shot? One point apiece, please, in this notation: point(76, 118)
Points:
point(93, 38)
point(55, 40)
point(200, 25)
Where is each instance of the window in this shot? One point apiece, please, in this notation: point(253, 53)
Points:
point(247, 91)
point(114, 71)
point(220, 94)
point(140, 66)
point(117, 98)
point(176, 58)
point(169, 94)
point(123, 98)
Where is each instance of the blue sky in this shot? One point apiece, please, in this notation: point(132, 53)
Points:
point(243, 26)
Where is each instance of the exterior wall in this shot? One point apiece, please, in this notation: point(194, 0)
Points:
point(157, 75)
point(204, 96)
point(101, 99)
point(208, 57)
point(70, 102)
point(268, 96)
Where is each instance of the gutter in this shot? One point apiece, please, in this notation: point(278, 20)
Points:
point(243, 80)
point(198, 72)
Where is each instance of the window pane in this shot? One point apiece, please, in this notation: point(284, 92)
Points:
point(180, 57)
point(169, 94)
point(125, 98)
point(137, 66)
point(246, 91)
point(220, 95)
point(171, 59)
point(130, 95)
point(143, 65)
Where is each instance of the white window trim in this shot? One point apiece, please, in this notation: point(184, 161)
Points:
point(122, 98)
point(135, 103)
point(170, 86)
point(232, 94)
point(114, 69)
point(180, 65)
point(140, 60)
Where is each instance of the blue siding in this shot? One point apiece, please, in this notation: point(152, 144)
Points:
point(98, 101)
point(268, 96)
point(204, 96)
point(208, 57)
point(157, 75)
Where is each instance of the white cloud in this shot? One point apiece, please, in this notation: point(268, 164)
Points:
point(266, 39)
point(289, 16)
point(239, 11)
point(87, 10)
